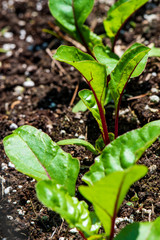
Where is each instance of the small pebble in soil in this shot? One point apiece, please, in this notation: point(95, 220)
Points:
point(20, 186)
point(8, 46)
point(81, 121)
point(4, 166)
point(28, 83)
point(11, 165)
point(152, 168)
point(150, 109)
point(63, 132)
point(154, 99)
point(150, 17)
point(21, 212)
point(19, 98)
point(15, 203)
point(29, 39)
point(82, 137)
point(8, 34)
point(154, 74)
point(18, 90)
point(7, 190)
point(10, 217)
point(73, 230)
point(13, 126)
point(154, 90)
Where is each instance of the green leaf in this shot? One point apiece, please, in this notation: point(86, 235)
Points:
point(118, 14)
point(124, 70)
point(78, 142)
point(75, 212)
point(105, 56)
point(71, 15)
point(155, 52)
point(107, 194)
point(79, 107)
point(123, 152)
point(93, 72)
point(141, 231)
point(141, 65)
point(89, 100)
point(71, 12)
point(35, 154)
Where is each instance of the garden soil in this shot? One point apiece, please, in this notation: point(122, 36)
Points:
point(37, 91)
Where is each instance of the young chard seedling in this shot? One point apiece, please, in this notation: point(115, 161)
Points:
point(70, 16)
point(109, 178)
point(95, 73)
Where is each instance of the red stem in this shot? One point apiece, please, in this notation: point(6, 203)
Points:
point(82, 235)
point(102, 116)
point(115, 211)
point(80, 33)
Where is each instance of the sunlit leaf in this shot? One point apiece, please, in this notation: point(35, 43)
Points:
point(107, 194)
point(141, 231)
point(118, 14)
point(35, 154)
point(78, 142)
point(124, 69)
point(75, 212)
point(123, 152)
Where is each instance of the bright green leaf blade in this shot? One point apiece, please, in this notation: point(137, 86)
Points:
point(106, 57)
point(141, 65)
point(71, 12)
point(93, 72)
point(35, 154)
point(78, 142)
point(70, 16)
point(125, 68)
point(107, 194)
point(89, 100)
point(79, 107)
point(141, 231)
point(118, 14)
point(75, 212)
point(123, 152)
point(155, 52)
point(90, 37)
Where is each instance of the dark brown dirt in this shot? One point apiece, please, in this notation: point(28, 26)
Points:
point(46, 106)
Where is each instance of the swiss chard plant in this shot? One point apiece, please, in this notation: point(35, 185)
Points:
point(35, 154)
point(71, 15)
point(108, 180)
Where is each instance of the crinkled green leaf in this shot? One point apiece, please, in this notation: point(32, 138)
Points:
point(105, 56)
point(118, 14)
point(124, 70)
point(107, 194)
point(75, 212)
point(155, 52)
point(71, 15)
point(78, 142)
point(123, 152)
point(35, 154)
point(93, 72)
point(141, 231)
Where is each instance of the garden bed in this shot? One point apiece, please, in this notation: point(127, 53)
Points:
point(36, 91)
